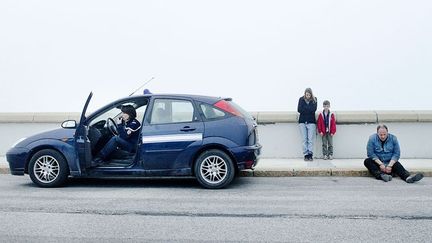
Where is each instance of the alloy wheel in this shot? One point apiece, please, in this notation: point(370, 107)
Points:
point(46, 169)
point(213, 169)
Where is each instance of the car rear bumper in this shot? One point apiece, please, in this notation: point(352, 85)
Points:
point(248, 156)
point(17, 158)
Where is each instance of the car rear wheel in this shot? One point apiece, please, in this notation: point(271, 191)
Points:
point(48, 168)
point(214, 169)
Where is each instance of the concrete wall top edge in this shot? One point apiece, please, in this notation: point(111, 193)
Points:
point(37, 117)
point(276, 117)
point(397, 116)
point(344, 117)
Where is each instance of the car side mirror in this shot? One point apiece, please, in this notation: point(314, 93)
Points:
point(69, 124)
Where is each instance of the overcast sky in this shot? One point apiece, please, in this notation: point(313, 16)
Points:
point(361, 55)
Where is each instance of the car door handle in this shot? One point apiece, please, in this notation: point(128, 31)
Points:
point(187, 129)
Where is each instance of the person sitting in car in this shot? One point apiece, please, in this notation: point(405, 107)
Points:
point(127, 138)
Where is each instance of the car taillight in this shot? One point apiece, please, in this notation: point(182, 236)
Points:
point(225, 106)
point(249, 164)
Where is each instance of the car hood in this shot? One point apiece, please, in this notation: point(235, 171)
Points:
point(57, 134)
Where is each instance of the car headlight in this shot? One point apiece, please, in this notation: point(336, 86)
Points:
point(17, 142)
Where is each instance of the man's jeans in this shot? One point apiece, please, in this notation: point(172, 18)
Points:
point(308, 131)
point(112, 145)
point(374, 169)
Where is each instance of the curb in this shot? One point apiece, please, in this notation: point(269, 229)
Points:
point(319, 173)
point(301, 173)
point(4, 171)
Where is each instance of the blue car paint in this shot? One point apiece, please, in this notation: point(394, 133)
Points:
point(170, 154)
point(22, 152)
point(17, 158)
point(153, 159)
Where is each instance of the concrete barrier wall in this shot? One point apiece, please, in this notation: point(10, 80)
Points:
point(283, 140)
point(278, 131)
point(11, 132)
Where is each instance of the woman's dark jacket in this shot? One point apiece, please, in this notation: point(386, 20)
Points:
point(307, 111)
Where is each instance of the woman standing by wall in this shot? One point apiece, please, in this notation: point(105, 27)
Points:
point(307, 106)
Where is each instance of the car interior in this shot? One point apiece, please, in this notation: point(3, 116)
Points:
point(99, 133)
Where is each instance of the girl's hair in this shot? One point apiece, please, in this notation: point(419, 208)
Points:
point(130, 110)
point(309, 90)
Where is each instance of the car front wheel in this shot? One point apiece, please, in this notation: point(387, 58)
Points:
point(214, 169)
point(48, 168)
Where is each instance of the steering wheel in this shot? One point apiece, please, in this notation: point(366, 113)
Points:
point(112, 126)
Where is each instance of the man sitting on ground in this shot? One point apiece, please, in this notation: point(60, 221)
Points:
point(383, 153)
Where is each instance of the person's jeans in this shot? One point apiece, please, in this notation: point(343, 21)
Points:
point(327, 144)
point(397, 169)
point(308, 131)
point(112, 145)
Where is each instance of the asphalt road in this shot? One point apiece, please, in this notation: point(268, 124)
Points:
point(289, 209)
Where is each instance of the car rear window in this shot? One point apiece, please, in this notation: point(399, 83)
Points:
point(241, 110)
point(211, 112)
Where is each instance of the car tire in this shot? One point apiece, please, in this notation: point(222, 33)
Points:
point(214, 169)
point(48, 168)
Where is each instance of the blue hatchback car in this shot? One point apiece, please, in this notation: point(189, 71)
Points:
point(181, 135)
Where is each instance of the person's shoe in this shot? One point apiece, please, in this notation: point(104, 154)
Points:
point(306, 158)
point(310, 157)
point(386, 177)
point(326, 157)
point(330, 157)
point(414, 178)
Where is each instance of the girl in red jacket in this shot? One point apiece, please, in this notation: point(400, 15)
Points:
point(327, 128)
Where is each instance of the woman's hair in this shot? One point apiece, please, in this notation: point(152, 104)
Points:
point(309, 90)
point(130, 110)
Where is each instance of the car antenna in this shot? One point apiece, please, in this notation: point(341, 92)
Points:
point(148, 81)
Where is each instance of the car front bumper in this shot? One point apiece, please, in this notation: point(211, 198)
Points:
point(17, 158)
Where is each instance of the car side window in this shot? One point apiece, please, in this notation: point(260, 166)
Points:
point(171, 111)
point(211, 112)
point(115, 112)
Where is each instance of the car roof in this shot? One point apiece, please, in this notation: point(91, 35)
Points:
point(200, 98)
